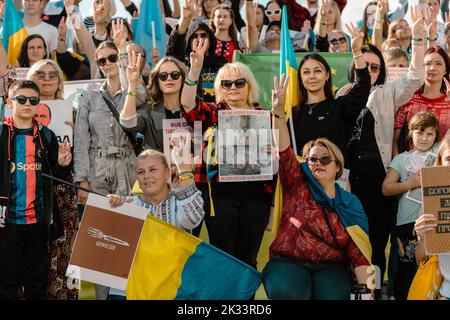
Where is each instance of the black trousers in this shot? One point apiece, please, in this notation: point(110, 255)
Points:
point(242, 212)
point(24, 261)
point(366, 178)
point(406, 260)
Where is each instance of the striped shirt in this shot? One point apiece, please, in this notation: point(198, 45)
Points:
point(26, 204)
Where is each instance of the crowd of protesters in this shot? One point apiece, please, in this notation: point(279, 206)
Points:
point(369, 126)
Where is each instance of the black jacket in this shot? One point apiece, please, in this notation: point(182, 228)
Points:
point(44, 139)
point(179, 46)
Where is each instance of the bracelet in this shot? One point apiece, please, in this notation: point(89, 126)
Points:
point(278, 116)
point(356, 56)
point(122, 54)
point(416, 39)
point(184, 172)
point(190, 82)
point(62, 40)
point(185, 177)
point(432, 39)
point(131, 93)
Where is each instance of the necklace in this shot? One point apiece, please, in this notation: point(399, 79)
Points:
point(311, 107)
point(172, 109)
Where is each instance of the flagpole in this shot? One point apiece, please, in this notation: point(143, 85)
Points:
point(72, 184)
point(291, 129)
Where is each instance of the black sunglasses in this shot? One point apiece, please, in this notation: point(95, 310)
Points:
point(202, 35)
point(23, 99)
point(239, 83)
point(111, 58)
point(338, 41)
point(325, 160)
point(163, 76)
point(374, 67)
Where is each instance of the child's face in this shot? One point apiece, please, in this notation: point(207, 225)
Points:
point(401, 62)
point(446, 158)
point(424, 140)
point(25, 111)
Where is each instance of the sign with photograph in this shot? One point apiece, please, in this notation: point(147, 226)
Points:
point(106, 242)
point(182, 143)
point(57, 115)
point(436, 201)
point(74, 89)
point(21, 73)
point(245, 145)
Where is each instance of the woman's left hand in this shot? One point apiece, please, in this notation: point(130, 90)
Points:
point(119, 34)
point(64, 154)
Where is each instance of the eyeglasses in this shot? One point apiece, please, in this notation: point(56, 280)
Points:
point(23, 99)
point(270, 12)
point(163, 76)
point(52, 75)
point(111, 58)
point(374, 67)
point(335, 42)
point(325, 160)
point(202, 35)
point(238, 83)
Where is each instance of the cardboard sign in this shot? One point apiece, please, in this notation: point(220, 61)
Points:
point(395, 73)
point(106, 242)
point(245, 145)
point(436, 201)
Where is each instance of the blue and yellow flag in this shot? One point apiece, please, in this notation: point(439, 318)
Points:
point(288, 65)
point(172, 264)
point(14, 32)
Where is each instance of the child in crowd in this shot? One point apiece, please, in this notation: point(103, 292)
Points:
point(403, 179)
point(29, 216)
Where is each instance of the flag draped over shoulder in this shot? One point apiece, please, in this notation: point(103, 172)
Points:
point(288, 65)
point(172, 264)
point(13, 33)
point(142, 28)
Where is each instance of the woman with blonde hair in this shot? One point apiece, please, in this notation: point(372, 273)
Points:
point(237, 213)
point(49, 77)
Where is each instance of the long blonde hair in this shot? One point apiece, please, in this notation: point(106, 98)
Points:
point(59, 94)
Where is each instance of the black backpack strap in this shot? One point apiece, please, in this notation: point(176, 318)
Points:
point(137, 147)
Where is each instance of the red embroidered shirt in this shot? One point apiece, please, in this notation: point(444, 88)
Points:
point(225, 49)
point(440, 107)
point(304, 234)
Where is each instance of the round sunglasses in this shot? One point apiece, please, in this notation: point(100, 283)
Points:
point(270, 12)
point(325, 160)
point(163, 76)
point(23, 99)
point(111, 58)
point(238, 83)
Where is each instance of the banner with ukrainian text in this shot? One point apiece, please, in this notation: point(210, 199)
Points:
point(265, 66)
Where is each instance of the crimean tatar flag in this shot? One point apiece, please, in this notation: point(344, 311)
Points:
point(288, 65)
point(13, 33)
point(171, 264)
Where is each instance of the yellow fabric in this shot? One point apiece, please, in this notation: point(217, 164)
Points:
point(158, 238)
point(209, 133)
point(292, 90)
point(136, 190)
point(361, 240)
point(14, 44)
point(427, 281)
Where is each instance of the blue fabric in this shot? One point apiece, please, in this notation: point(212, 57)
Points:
point(346, 205)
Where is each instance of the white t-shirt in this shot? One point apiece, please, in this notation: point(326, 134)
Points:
point(48, 32)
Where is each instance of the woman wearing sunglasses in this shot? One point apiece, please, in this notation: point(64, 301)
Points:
point(236, 213)
point(370, 137)
point(104, 156)
point(313, 251)
point(328, 29)
point(49, 78)
point(164, 92)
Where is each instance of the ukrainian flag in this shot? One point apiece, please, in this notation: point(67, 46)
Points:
point(14, 32)
point(172, 264)
point(288, 65)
